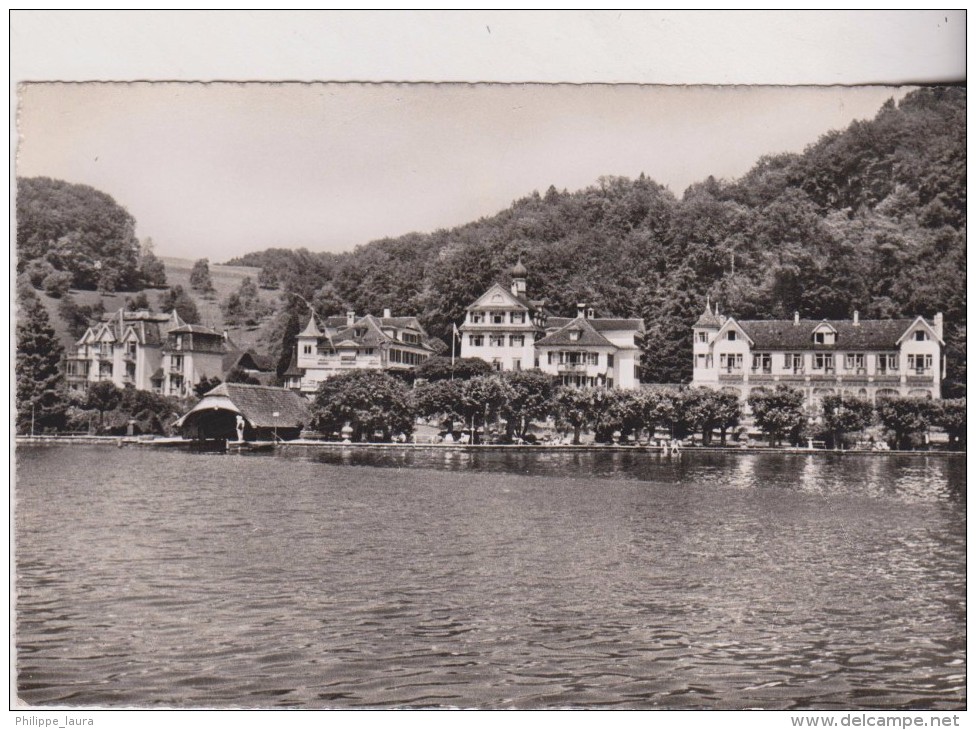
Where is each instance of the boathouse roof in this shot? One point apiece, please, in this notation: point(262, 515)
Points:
point(258, 404)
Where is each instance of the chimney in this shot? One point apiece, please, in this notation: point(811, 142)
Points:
point(796, 318)
point(937, 324)
point(581, 310)
point(386, 313)
point(350, 319)
point(857, 319)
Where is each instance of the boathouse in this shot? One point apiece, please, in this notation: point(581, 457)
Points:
point(268, 413)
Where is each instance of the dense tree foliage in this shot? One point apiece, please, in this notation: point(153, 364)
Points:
point(77, 230)
point(871, 218)
point(905, 419)
point(245, 307)
point(178, 299)
point(79, 317)
point(440, 368)
point(779, 413)
point(41, 394)
point(843, 415)
point(152, 269)
point(369, 401)
point(200, 276)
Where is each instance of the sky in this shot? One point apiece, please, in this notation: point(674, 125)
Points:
point(218, 170)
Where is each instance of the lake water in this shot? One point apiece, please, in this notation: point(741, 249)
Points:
point(429, 578)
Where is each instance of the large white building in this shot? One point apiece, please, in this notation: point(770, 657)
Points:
point(865, 358)
point(512, 332)
point(148, 351)
point(341, 344)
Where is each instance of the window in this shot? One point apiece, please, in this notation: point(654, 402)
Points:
point(516, 364)
point(610, 360)
point(476, 340)
point(921, 335)
point(176, 363)
point(594, 358)
point(477, 317)
point(574, 336)
point(819, 337)
point(701, 361)
point(921, 364)
point(496, 365)
point(793, 362)
point(730, 335)
point(496, 340)
point(702, 337)
point(306, 349)
point(823, 361)
point(854, 361)
point(537, 361)
point(179, 342)
point(762, 362)
point(887, 363)
point(551, 357)
point(518, 317)
point(730, 362)
point(516, 340)
point(498, 318)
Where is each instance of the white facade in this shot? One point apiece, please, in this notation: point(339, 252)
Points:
point(510, 332)
point(861, 358)
point(349, 343)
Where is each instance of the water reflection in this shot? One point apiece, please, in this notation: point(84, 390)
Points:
point(445, 578)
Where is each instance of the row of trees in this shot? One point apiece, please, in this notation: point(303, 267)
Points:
point(842, 420)
point(378, 405)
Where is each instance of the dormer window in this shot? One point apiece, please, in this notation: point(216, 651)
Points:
point(731, 335)
point(574, 335)
point(921, 335)
point(819, 337)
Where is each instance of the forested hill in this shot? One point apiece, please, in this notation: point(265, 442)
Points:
point(871, 218)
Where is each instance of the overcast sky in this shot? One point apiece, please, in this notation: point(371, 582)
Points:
point(218, 170)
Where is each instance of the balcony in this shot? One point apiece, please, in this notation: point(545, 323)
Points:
point(572, 367)
point(727, 375)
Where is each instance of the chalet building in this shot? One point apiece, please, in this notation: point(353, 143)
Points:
point(340, 344)
point(148, 351)
point(512, 332)
point(126, 348)
point(268, 413)
point(866, 358)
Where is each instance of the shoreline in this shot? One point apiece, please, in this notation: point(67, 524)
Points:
point(121, 441)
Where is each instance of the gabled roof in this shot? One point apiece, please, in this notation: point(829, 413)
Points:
point(731, 323)
point(928, 327)
point(868, 334)
point(588, 336)
point(246, 360)
point(257, 404)
point(499, 296)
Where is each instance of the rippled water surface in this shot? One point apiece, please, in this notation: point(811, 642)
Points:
point(493, 579)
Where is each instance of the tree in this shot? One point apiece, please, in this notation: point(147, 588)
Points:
point(200, 276)
point(41, 393)
point(103, 396)
point(440, 368)
point(904, 418)
point(57, 284)
point(845, 415)
point(77, 229)
point(137, 302)
point(482, 400)
point(244, 307)
point(369, 401)
point(622, 411)
point(708, 409)
point(205, 386)
point(950, 416)
point(153, 270)
point(531, 399)
point(267, 278)
point(292, 325)
point(77, 317)
point(176, 298)
point(778, 413)
point(236, 375)
point(439, 399)
point(576, 408)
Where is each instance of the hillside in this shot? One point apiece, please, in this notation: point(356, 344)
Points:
point(225, 280)
point(870, 218)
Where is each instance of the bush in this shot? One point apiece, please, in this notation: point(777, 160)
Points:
point(57, 284)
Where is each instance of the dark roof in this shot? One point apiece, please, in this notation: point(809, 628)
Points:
point(519, 270)
point(588, 336)
point(258, 403)
point(195, 329)
point(785, 334)
point(709, 318)
point(246, 360)
point(600, 324)
point(157, 374)
point(293, 370)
